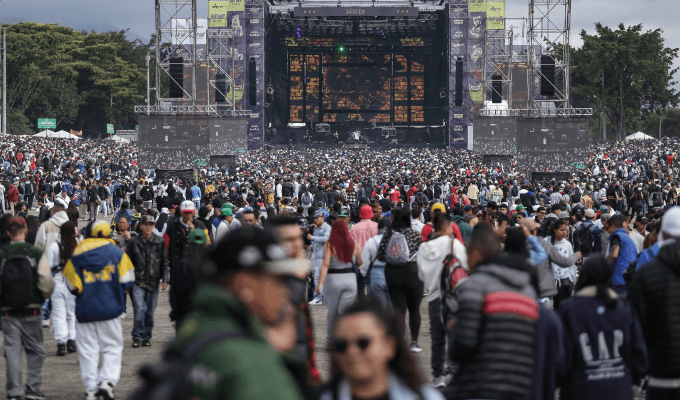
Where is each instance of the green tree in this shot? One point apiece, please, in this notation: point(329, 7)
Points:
point(80, 78)
point(636, 69)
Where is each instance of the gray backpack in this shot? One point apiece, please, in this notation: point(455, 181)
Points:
point(397, 251)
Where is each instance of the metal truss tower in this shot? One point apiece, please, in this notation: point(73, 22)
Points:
point(498, 62)
point(549, 25)
point(221, 54)
point(168, 28)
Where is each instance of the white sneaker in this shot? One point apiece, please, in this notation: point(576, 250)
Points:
point(315, 302)
point(46, 323)
point(437, 382)
point(106, 390)
point(123, 315)
point(90, 395)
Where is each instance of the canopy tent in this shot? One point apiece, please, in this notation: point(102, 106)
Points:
point(639, 136)
point(58, 135)
point(119, 139)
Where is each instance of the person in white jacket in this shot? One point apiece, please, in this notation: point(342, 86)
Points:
point(63, 302)
point(431, 256)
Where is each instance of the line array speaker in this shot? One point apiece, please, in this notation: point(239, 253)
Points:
point(176, 77)
point(547, 75)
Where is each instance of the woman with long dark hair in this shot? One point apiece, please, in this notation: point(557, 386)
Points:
point(370, 360)
point(337, 277)
point(33, 225)
point(63, 302)
point(558, 236)
point(403, 284)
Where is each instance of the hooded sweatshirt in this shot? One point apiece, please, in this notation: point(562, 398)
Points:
point(48, 232)
point(431, 261)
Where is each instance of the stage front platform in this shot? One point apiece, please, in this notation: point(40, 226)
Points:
point(360, 146)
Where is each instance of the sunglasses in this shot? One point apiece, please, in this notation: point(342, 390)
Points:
point(340, 345)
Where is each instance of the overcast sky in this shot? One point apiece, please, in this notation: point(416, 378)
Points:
point(123, 14)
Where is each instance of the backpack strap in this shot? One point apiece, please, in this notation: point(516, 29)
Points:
point(204, 341)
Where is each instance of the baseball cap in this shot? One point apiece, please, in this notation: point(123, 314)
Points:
point(343, 213)
point(590, 213)
point(439, 206)
point(197, 236)
point(530, 224)
point(187, 206)
point(60, 203)
point(670, 224)
point(318, 213)
point(148, 218)
point(604, 209)
point(254, 249)
point(642, 219)
point(520, 208)
point(227, 211)
point(468, 207)
point(563, 214)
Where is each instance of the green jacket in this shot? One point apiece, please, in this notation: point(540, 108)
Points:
point(241, 368)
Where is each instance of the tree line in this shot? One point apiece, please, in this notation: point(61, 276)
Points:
point(82, 79)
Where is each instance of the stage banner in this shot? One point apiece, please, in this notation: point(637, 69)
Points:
point(495, 14)
point(458, 116)
point(185, 175)
point(254, 23)
point(476, 6)
point(218, 14)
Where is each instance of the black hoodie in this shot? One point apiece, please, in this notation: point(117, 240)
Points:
point(655, 295)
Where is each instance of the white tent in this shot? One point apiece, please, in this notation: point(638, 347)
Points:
point(58, 135)
point(639, 136)
point(118, 139)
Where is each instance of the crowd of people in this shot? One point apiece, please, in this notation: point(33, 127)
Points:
point(531, 285)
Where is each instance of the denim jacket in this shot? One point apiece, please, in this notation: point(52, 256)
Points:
point(319, 239)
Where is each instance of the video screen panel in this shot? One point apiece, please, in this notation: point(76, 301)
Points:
point(494, 135)
point(166, 132)
point(552, 134)
point(349, 87)
point(188, 141)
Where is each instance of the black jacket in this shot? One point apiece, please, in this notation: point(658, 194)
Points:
point(494, 334)
point(150, 259)
point(287, 189)
point(655, 294)
point(176, 239)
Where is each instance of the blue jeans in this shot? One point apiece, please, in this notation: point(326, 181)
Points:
point(144, 303)
point(377, 287)
point(197, 204)
point(316, 270)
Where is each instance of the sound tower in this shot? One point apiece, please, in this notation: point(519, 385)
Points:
point(458, 100)
point(496, 89)
point(221, 89)
point(176, 77)
point(547, 75)
point(252, 82)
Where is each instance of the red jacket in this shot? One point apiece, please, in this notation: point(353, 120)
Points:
point(13, 194)
point(427, 229)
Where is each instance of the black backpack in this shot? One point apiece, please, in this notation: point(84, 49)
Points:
point(586, 238)
point(657, 199)
point(420, 198)
point(514, 192)
point(169, 378)
point(19, 280)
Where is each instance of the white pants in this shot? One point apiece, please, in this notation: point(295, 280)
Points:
point(105, 338)
point(63, 311)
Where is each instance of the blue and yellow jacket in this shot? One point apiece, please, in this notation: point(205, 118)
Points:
point(98, 274)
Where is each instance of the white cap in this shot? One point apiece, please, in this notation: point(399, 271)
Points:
point(187, 206)
point(670, 224)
